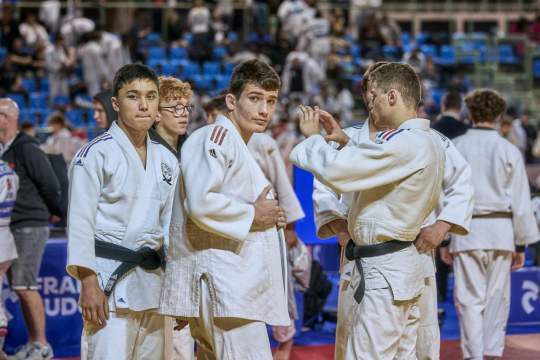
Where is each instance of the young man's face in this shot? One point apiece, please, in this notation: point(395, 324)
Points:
point(377, 106)
point(137, 105)
point(254, 108)
point(175, 115)
point(100, 115)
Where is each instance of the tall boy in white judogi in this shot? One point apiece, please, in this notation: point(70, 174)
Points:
point(231, 258)
point(396, 186)
point(121, 193)
point(502, 224)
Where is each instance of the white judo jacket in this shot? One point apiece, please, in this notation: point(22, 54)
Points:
point(500, 185)
point(112, 197)
point(266, 152)
point(246, 270)
point(397, 181)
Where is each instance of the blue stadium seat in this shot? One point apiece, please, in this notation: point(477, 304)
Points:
point(405, 38)
point(507, 55)
point(190, 70)
point(437, 95)
point(3, 52)
point(355, 51)
point(228, 68)
point(19, 99)
point(202, 82)
point(232, 36)
point(170, 68)
point(156, 53)
point(38, 100)
point(536, 68)
point(38, 116)
point(61, 100)
point(29, 84)
point(44, 84)
point(188, 37)
point(211, 67)
point(421, 38)
point(219, 52)
point(177, 53)
point(221, 82)
point(154, 37)
point(429, 50)
point(155, 63)
point(448, 56)
point(390, 52)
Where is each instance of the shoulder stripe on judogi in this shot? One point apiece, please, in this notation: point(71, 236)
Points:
point(394, 134)
point(84, 150)
point(222, 136)
point(388, 134)
point(214, 133)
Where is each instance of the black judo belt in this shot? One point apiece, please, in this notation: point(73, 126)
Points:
point(144, 257)
point(356, 252)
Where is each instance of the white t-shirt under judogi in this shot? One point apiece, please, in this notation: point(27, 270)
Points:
point(113, 197)
point(397, 181)
point(500, 186)
point(246, 270)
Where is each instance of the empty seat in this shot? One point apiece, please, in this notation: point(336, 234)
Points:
point(38, 100)
point(19, 99)
point(177, 53)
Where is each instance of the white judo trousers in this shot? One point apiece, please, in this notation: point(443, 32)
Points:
point(128, 335)
point(482, 300)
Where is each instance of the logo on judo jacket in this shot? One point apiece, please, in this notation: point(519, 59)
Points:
point(166, 171)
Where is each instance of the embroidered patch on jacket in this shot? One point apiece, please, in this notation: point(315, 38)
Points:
point(384, 136)
point(166, 171)
point(218, 134)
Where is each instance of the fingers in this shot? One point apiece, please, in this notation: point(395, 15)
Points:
point(264, 193)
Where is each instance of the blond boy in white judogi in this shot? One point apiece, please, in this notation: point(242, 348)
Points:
point(503, 223)
point(118, 199)
point(455, 207)
point(231, 257)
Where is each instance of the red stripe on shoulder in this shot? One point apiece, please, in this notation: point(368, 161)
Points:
point(213, 133)
point(215, 138)
point(222, 136)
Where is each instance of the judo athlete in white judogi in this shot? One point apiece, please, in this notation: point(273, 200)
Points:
point(9, 184)
point(455, 208)
point(174, 109)
point(120, 200)
point(502, 225)
point(396, 186)
point(231, 259)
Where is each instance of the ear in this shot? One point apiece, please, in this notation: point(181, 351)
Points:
point(158, 117)
point(392, 97)
point(230, 102)
point(114, 102)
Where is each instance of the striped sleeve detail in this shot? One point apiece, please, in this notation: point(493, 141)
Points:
point(218, 135)
point(85, 149)
point(387, 135)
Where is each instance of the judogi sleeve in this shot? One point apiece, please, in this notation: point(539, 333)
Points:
point(327, 207)
point(456, 206)
point(357, 168)
point(525, 226)
point(210, 200)
point(85, 183)
point(274, 169)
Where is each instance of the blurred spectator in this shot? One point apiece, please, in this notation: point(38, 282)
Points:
point(111, 46)
point(95, 68)
point(449, 121)
point(506, 130)
point(175, 28)
point(390, 31)
point(49, 14)
point(29, 129)
point(61, 60)
point(416, 59)
point(38, 197)
point(530, 133)
point(345, 103)
point(61, 141)
point(534, 29)
point(74, 28)
point(291, 14)
point(302, 75)
point(18, 60)
point(104, 114)
point(199, 18)
point(371, 39)
point(315, 39)
point(9, 29)
point(32, 31)
point(9, 183)
point(520, 135)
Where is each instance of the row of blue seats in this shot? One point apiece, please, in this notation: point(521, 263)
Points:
point(189, 68)
point(77, 117)
point(181, 53)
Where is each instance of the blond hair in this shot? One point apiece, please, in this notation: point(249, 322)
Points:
point(171, 88)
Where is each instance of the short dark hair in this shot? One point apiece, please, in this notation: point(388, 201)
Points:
point(215, 103)
point(452, 100)
point(27, 125)
point(485, 105)
point(401, 77)
point(369, 70)
point(253, 72)
point(130, 72)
